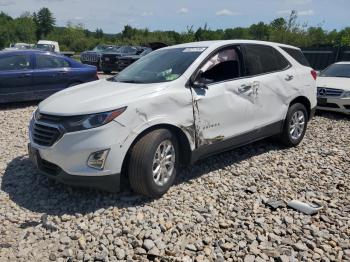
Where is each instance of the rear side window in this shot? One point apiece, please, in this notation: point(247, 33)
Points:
point(297, 55)
point(46, 61)
point(261, 59)
point(14, 62)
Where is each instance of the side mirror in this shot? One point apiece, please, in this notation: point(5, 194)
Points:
point(200, 81)
point(199, 85)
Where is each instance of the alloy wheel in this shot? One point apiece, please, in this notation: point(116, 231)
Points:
point(163, 162)
point(297, 125)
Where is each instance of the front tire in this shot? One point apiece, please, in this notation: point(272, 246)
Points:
point(153, 163)
point(295, 125)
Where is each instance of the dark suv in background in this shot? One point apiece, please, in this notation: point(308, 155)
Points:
point(124, 61)
point(109, 60)
point(93, 57)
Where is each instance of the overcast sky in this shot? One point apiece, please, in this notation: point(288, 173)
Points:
point(112, 15)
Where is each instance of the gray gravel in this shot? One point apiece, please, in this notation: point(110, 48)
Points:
point(215, 212)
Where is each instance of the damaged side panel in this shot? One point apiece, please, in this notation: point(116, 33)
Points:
point(221, 112)
point(170, 106)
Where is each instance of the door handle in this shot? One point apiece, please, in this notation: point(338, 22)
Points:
point(289, 77)
point(63, 72)
point(244, 88)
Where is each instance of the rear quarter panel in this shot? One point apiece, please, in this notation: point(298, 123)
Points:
point(305, 83)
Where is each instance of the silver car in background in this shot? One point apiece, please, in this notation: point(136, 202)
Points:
point(333, 88)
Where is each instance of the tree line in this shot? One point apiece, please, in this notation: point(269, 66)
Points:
point(29, 28)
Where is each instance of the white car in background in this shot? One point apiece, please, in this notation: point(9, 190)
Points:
point(333, 88)
point(18, 46)
point(172, 107)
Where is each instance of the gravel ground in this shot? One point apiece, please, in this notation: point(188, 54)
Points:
point(216, 211)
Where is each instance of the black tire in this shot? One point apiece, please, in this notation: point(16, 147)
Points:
point(286, 137)
point(107, 72)
point(140, 167)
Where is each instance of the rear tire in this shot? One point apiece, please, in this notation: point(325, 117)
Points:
point(295, 125)
point(153, 163)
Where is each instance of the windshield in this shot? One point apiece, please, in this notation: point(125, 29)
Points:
point(159, 66)
point(146, 52)
point(44, 47)
point(127, 49)
point(337, 70)
point(103, 47)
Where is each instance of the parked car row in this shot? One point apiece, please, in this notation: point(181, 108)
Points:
point(109, 58)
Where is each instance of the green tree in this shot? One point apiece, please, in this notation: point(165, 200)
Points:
point(44, 21)
point(260, 31)
point(345, 37)
point(99, 33)
point(279, 24)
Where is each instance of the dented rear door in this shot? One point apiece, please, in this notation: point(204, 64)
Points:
point(275, 84)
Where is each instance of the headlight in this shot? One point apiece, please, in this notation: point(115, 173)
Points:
point(84, 122)
point(36, 114)
point(346, 94)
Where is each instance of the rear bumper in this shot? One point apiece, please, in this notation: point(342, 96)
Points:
point(109, 183)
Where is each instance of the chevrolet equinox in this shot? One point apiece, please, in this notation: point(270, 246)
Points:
point(172, 107)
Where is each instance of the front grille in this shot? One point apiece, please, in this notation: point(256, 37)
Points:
point(45, 135)
point(89, 58)
point(110, 58)
point(50, 118)
point(124, 63)
point(322, 91)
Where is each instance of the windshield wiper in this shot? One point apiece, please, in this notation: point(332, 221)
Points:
point(130, 81)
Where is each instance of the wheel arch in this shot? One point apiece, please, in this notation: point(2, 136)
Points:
point(304, 101)
point(183, 142)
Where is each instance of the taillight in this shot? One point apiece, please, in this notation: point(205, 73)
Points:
point(314, 74)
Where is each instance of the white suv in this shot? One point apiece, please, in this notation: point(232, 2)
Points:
point(171, 108)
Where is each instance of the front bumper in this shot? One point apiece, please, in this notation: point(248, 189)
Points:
point(66, 159)
point(341, 105)
point(110, 183)
point(110, 66)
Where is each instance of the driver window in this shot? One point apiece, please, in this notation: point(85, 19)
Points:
point(222, 66)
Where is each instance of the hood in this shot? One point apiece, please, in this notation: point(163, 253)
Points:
point(91, 52)
point(134, 57)
point(334, 82)
point(95, 97)
point(116, 53)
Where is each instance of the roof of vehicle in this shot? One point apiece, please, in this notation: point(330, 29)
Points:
point(218, 43)
point(47, 42)
point(36, 51)
point(343, 63)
